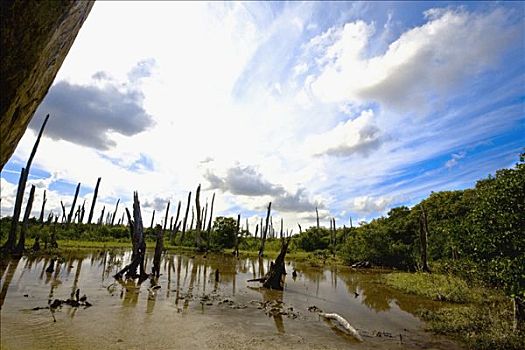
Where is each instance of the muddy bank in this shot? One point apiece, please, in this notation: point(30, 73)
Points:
point(186, 307)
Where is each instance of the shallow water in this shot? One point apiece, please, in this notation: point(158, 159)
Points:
point(193, 311)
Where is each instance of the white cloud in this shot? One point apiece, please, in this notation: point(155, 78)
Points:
point(421, 63)
point(357, 136)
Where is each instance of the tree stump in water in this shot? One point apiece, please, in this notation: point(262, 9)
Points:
point(274, 279)
point(158, 251)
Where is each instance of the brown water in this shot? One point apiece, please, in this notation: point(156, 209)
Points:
point(193, 311)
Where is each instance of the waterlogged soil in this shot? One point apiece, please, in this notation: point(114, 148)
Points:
point(191, 310)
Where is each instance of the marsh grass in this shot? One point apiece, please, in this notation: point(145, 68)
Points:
point(481, 320)
point(434, 286)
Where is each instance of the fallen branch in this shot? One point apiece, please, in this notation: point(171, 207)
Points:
point(344, 323)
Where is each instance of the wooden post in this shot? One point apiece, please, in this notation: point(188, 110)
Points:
point(9, 245)
point(423, 236)
point(114, 213)
point(185, 221)
point(25, 223)
point(265, 232)
point(95, 194)
point(41, 219)
point(70, 216)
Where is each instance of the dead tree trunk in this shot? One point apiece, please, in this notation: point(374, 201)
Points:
point(423, 236)
point(166, 216)
point(139, 245)
point(317, 216)
point(238, 231)
point(210, 224)
point(64, 218)
point(114, 213)
point(41, 219)
point(25, 223)
point(205, 216)
point(274, 279)
point(265, 232)
point(9, 245)
point(101, 219)
point(152, 219)
point(159, 246)
point(82, 212)
point(70, 216)
point(92, 210)
point(185, 219)
point(174, 234)
point(199, 218)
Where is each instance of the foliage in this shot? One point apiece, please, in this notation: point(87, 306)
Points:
point(224, 231)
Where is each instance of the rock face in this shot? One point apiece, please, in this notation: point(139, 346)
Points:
point(35, 39)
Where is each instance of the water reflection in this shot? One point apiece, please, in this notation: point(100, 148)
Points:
point(188, 285)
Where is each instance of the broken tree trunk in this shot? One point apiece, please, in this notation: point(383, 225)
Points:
point(114, 213)
point(185, 221)
point(95, 194)
point(265, 232)
point(41, 219)
point(205, 216)
point(317, 216)
point(22, 241)
point(174, 234)
point(9, 245)
point(208, 238)
point(274, 279)
point(152, 219)
point(199, 218)
point(139, 245)
point(159, 246)
point(166, 216)
point(101, 219)
point(256, 230)
point(82, 212)
point(423, 235)
point(238, 231)
point(70, 216)
point(63, 212)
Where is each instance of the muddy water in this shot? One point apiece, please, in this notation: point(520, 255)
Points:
point(193, 311)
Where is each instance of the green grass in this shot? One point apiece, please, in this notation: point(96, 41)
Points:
point(433, 286)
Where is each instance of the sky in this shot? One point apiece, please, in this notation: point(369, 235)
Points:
point(350, 107)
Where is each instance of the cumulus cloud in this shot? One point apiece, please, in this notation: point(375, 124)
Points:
point(369, 204)
point(88, 114)
point(357, 136)
point(422, 62)
point(246, 181)
point(156, 203)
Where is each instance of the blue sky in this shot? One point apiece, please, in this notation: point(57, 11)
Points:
point(351, 107)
